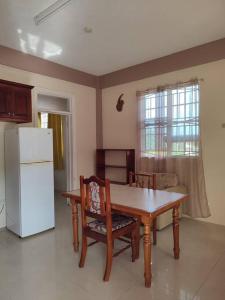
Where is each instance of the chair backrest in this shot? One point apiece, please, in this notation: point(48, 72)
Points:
point(95, 200)
point(143, 180)
point(166, 180)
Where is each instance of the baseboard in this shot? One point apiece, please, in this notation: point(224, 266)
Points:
point(203, 220)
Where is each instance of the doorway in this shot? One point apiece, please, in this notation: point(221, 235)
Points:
point(54, 112)
point(58, 125)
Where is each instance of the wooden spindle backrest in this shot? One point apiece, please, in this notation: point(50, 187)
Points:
point(140, 180)
point(95, 200)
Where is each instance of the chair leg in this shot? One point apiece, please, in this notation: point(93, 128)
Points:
point(155, 231)
point(137, 239)
point(133, 245)
point(83, 251)
point(108, 267)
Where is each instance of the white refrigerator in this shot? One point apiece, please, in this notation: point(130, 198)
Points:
point(29, 180)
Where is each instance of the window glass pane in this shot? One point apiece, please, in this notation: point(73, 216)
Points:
point(174, 99)
point(178, 148)
point(150, 140)
point(181, 96)
point(152, 113)
point(147, 103)
point(175, 112)
point(165, 98)
point(152, 101)
point(189, 97)
point(181, 112)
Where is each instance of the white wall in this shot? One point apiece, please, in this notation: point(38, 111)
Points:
point(120, 128)
point(84, 116)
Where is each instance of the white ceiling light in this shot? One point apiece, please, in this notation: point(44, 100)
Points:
point(52, 9)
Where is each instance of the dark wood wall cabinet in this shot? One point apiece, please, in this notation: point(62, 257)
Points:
point(105, 160)
point(15, 102)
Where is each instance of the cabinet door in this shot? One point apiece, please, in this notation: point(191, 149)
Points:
point(22, 105)
point(6, 96)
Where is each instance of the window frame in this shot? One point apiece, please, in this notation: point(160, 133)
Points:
point(164, 101)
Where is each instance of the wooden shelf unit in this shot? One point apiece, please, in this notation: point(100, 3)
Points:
point(128, 164)
point(115, 166)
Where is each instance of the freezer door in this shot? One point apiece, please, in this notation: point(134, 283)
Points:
point(37, 198)
point(35, 145)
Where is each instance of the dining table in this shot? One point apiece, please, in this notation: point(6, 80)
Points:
point(145, 204)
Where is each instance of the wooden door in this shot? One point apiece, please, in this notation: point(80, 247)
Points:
point(22, 104)
point(5, 101)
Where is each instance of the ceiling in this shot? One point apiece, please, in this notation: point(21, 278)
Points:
point(125, 32)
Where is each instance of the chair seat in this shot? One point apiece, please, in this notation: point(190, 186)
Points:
point(118, 221)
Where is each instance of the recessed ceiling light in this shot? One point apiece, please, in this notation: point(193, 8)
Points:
point(52, 9)
point(88, 29)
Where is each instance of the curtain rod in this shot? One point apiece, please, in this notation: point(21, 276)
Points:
point(161, 88)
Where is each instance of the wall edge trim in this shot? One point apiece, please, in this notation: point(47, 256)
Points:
point(26, 62)
point(199, 55)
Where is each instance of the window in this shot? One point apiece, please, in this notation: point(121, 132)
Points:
point(170, 122)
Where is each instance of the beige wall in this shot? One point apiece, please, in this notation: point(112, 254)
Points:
point(120, 128)
point(84, 116)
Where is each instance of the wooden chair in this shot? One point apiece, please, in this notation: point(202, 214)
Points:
point(106, 227)
point(145, 180)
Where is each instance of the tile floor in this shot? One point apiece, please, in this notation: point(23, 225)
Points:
point(44, 267)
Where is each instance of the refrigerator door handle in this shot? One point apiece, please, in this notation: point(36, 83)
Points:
point(36, 162)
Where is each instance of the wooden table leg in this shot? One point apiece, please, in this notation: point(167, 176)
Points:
point(75, 221)
point(176, 249)
point(147, 251)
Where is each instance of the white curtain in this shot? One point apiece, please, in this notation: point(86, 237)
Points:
point(169, 140)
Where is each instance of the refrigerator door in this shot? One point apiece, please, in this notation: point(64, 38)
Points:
point(37, 198)
point(35, 145)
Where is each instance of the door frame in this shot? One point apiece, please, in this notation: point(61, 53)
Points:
point(71, 149)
